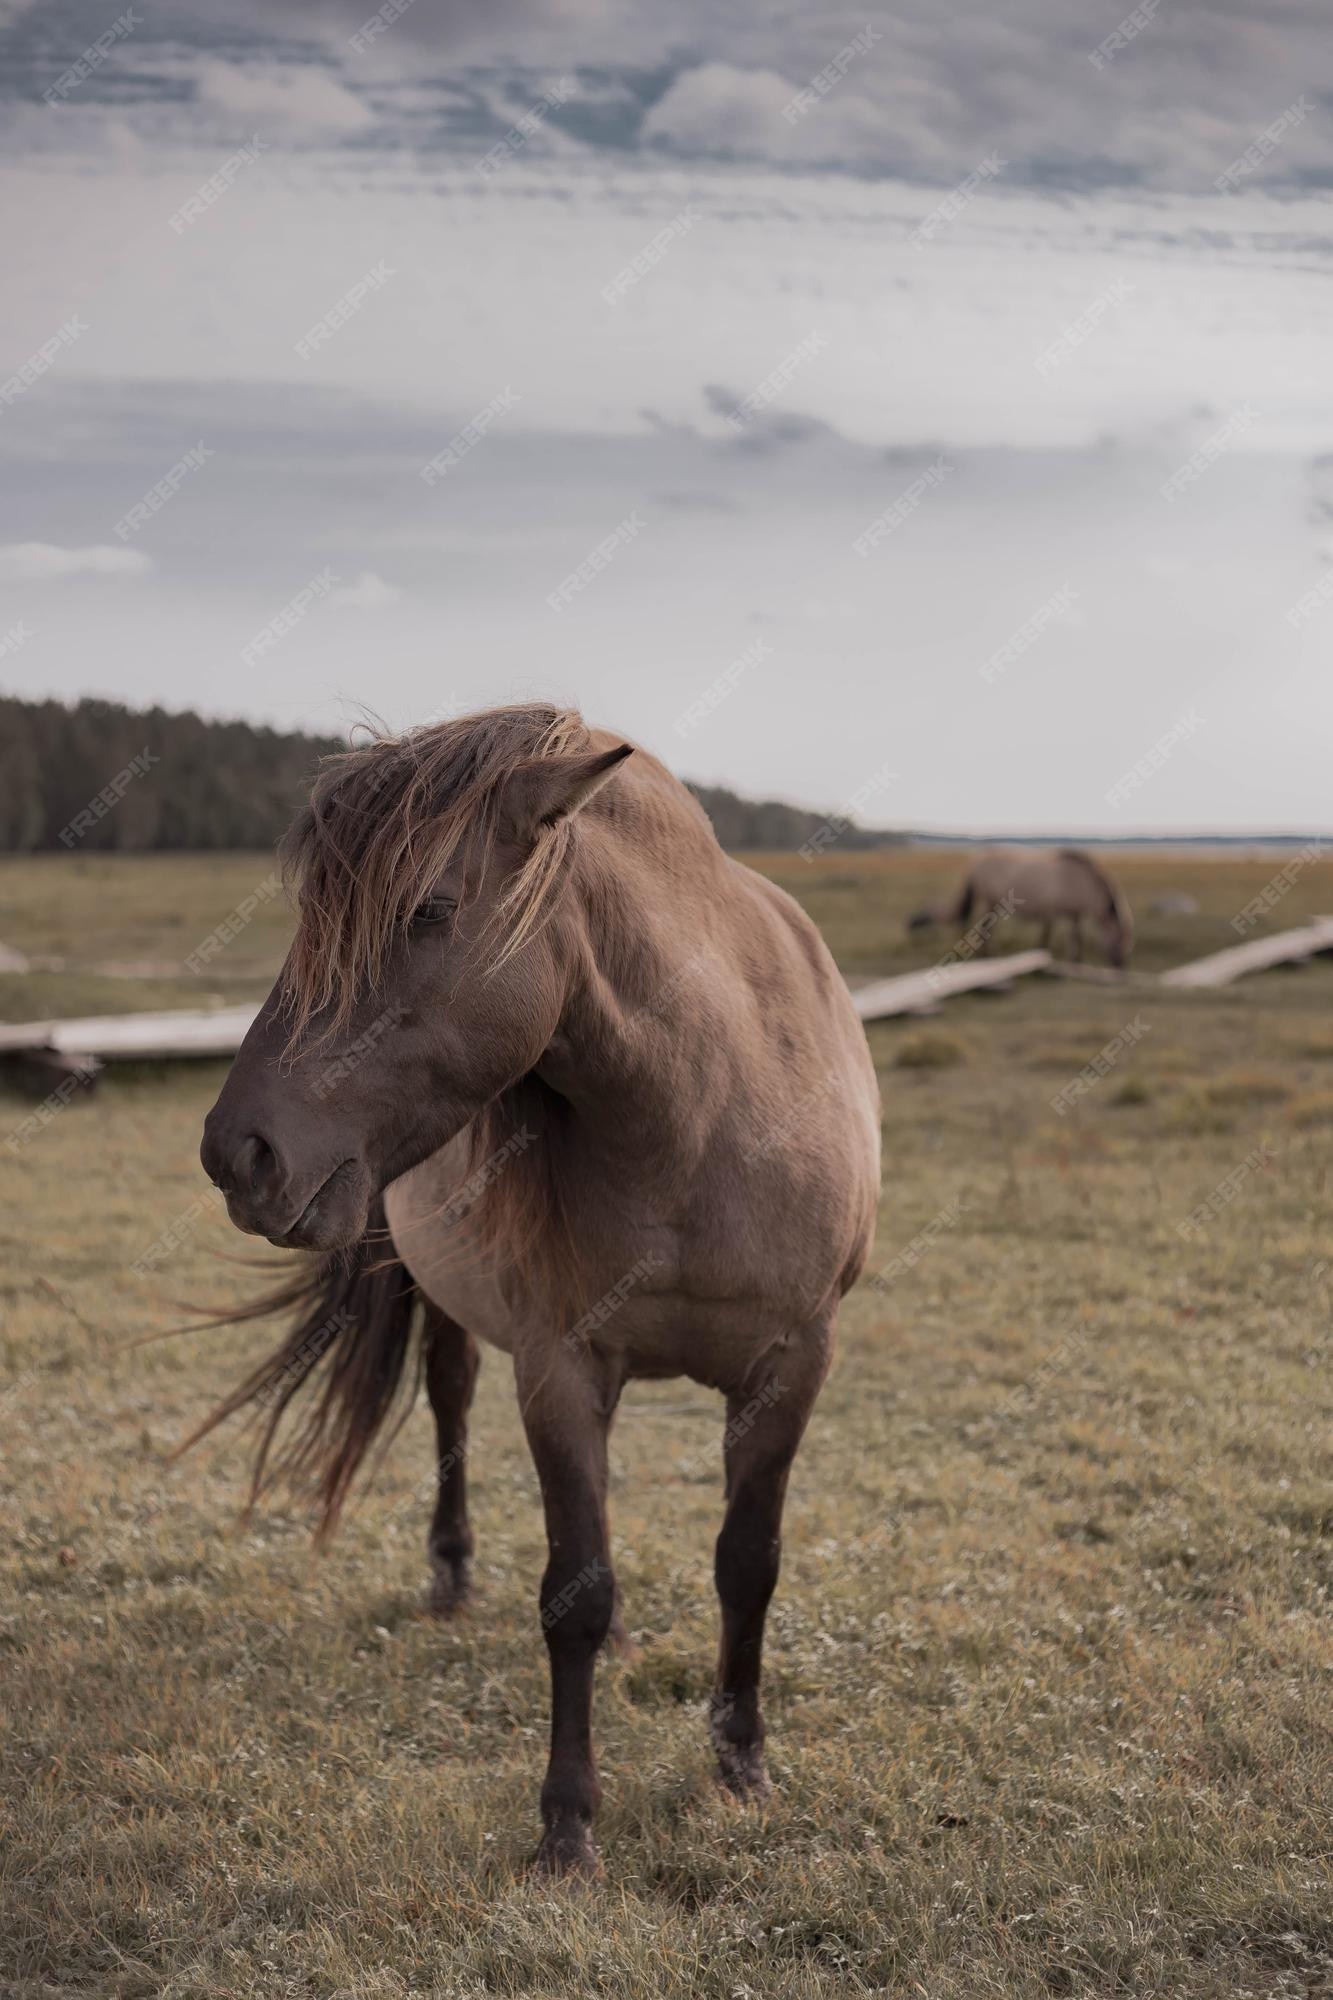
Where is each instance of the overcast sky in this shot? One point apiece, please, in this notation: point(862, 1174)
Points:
point(948, 395)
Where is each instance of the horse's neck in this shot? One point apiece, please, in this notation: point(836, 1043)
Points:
point(622, 1046)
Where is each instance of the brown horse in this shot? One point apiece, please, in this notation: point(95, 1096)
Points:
point(608, 1091)
point(1065, 883)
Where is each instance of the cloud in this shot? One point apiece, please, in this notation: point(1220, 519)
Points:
point(369, 593)
point(761, 429)
point(860, 86)
point(47, 562)
point(444, 27)
point(1172, 106)
point(695, 501)
point(719, 109)
point(283, 100)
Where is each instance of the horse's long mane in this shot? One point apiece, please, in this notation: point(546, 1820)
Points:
point(382, 821)
point(1114, 904)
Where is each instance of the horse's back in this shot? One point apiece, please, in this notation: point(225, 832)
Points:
point(819, 1106)
point(1045, 884)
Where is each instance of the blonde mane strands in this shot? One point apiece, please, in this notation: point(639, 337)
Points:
point(381, 824)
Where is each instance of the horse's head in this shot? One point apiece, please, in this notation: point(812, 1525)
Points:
point(1117, 935)
point(423, 979)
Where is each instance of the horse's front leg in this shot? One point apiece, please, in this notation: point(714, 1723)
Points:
point(567, 1401)
point(764, 1427)
point(451, 1376)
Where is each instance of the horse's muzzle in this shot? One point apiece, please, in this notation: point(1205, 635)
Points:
point(293, 1210)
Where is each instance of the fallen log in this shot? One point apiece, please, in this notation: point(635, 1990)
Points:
point(200, 1031)
point(1285, 948)
point(914, 992)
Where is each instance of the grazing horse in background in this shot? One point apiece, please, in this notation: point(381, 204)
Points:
point(1010, 881)
point(545, 1068)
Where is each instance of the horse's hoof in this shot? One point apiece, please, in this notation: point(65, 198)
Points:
point(450, 1590)
point(742, 1776)
point(567, 1854)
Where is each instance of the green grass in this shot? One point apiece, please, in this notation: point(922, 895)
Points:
point(1049, 1674)
point(118, 931)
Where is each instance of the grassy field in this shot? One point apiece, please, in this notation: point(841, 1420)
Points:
point(1049, 1682)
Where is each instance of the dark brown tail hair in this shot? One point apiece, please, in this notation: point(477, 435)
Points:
point(353, 1341)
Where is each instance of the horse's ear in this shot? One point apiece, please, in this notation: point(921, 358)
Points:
point(555, 788)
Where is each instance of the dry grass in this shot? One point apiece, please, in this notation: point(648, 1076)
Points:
point(931, 1048)
point(1244, 1087)
point(1049, 1683)
point(1313, 1109)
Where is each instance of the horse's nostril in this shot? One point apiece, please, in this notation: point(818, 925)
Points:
point(255, 1164)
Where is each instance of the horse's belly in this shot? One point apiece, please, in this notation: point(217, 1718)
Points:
point(644, 1326)
point(710, 1302)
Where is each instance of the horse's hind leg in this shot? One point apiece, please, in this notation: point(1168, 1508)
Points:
point(451, 1375)
point(764, 1427)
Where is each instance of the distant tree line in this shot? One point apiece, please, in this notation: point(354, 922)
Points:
point(768, 824)
point(190, 783)
point(98, 777)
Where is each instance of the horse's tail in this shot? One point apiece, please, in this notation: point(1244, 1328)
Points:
point(957, 912)
point(351, 1340)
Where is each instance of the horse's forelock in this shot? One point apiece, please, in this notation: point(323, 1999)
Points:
point(382, 822)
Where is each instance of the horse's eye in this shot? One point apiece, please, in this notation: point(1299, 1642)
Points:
point(435, 910)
